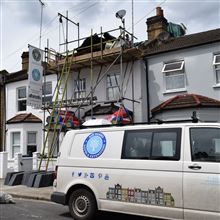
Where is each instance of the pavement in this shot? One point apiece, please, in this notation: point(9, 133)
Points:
point(21, 191)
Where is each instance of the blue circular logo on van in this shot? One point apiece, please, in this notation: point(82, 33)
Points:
point(94, 145)
point(36, 74)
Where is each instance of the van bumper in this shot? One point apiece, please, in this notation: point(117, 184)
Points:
point(58, 197)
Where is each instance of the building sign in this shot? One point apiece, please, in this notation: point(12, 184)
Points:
point(35, 77)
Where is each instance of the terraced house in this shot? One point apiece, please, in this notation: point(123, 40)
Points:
point(166, 77)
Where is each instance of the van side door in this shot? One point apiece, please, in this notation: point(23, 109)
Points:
point(201, 180)
point(152, 168)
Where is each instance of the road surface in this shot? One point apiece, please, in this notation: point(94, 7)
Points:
point(37, 210)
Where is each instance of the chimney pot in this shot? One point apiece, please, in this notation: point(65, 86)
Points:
point(159, 11)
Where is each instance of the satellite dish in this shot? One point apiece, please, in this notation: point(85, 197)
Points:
point(120, 14)
point(164, 36)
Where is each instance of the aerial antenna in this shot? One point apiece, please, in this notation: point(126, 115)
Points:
point(41, 20)
point(132, 21)
point(120, 14)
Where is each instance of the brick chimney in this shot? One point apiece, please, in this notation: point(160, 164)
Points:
point(156, 24)
point(25, 60)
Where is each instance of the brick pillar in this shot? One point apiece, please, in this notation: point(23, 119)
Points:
point(36, 155)
point(18, 165)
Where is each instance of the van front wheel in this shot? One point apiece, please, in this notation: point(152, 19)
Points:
point(82, 204)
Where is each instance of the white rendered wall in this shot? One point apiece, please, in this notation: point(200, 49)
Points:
point(139, 82)
point(11, 98)
point(23, 128)
point(200, 75)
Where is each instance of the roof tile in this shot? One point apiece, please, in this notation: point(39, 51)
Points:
point(24, 118)
point(186, 101)
point(182, 42)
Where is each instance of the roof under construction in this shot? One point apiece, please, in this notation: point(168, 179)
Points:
point(103, 57)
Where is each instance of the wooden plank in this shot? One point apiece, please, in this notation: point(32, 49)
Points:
point(107, 56)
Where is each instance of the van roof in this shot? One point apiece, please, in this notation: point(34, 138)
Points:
point(144, 126)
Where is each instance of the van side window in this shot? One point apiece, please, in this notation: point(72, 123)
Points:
point(164, 144)
point(137, 144)
point(155, 144)
point(205, 144)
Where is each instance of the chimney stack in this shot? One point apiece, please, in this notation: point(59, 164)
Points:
point(156, 24)
point(25, 60)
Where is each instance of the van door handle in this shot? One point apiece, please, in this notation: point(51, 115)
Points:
point(194, 167)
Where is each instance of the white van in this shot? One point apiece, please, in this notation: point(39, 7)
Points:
point(168, 171)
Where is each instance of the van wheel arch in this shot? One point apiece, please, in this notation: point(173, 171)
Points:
point(79, 186)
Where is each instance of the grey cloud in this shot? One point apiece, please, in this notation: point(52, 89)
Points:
point(89, 11)
point(94, 9)
point(201, 13)
point(27, 12)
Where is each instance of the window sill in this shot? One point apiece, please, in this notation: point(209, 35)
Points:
point(23, 111)
point(216, 86)
point(174, 91)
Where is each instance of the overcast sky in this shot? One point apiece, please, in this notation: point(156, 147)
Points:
point(20, 21)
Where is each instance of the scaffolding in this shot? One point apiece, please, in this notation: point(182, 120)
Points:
point(96, 53)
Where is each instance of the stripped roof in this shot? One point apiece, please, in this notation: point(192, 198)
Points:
point(24, 118)
point(186, 101)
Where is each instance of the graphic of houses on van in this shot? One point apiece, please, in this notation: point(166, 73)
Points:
point(151, 197)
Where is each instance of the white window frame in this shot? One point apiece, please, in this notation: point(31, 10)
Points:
point(216, 66)
point(21, 99)
point(112, 87)
point(179, 72)
point(80, 88)
point(215, 58)
point(49, 94)
point(173, 70)
point(31, 144)
point(13, 144)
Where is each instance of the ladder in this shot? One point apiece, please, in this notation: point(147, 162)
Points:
point(57, 104)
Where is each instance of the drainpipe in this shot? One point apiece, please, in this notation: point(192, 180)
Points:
point(4, 116)
point(147, 88)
